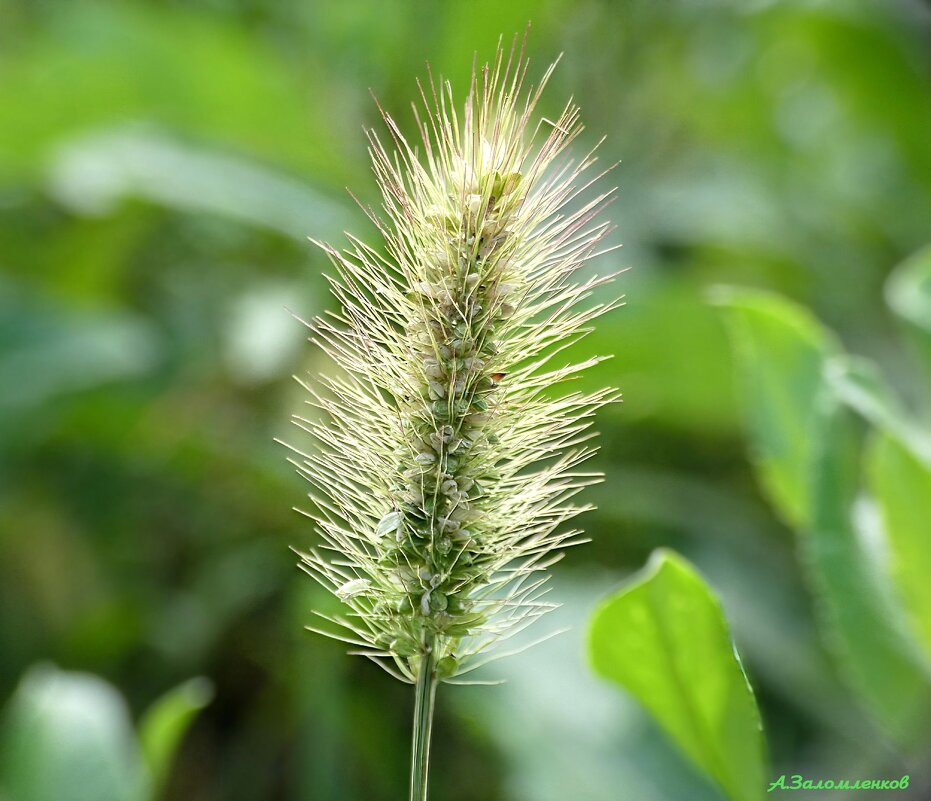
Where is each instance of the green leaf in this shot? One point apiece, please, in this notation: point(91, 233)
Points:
point(68, 737)
point(48, 349)
point(166, 721)
point(780, 351)
point(94, 172)
point(901, 481)
point(860, 619)
point(795, 384)
point(859, 384)
point(664, 639)
point(908, 293)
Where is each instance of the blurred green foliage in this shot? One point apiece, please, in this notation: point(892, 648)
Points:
point(160, 166)
point(68, 735)
point(799, 387)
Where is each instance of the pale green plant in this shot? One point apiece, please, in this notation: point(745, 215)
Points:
point(444, 462)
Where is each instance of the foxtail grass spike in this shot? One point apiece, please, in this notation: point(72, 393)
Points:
point(446, 456)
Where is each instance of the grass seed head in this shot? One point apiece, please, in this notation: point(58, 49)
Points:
point(444, 464)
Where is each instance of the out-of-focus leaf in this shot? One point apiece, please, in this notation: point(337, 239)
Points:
point(861, 622)
point(664, 638)
point(166, 721)
point(908, 293)
point(67, 737)
point(100, 64)
point(672, 359)
point(780, 351)
point(785, 353)
point(901, 482)
point(859, 384)
point(95, 172)
point(48, 351)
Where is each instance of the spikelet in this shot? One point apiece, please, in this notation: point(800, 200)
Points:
point(444, 463)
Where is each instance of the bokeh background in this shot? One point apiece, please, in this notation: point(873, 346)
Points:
point(161, 165)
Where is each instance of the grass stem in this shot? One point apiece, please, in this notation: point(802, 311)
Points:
point(424, 701)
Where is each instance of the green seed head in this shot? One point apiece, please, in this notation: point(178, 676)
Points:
point(444, 462)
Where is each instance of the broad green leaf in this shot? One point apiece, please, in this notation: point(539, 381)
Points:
point(166, 722)
point(908, 293)
point(809, 458)
point(901, 481)
point(67, 737)
point(780, 351)
point(858, 614)
point(664, 638)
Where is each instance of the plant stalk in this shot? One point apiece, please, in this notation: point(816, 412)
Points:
point(424, 701)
